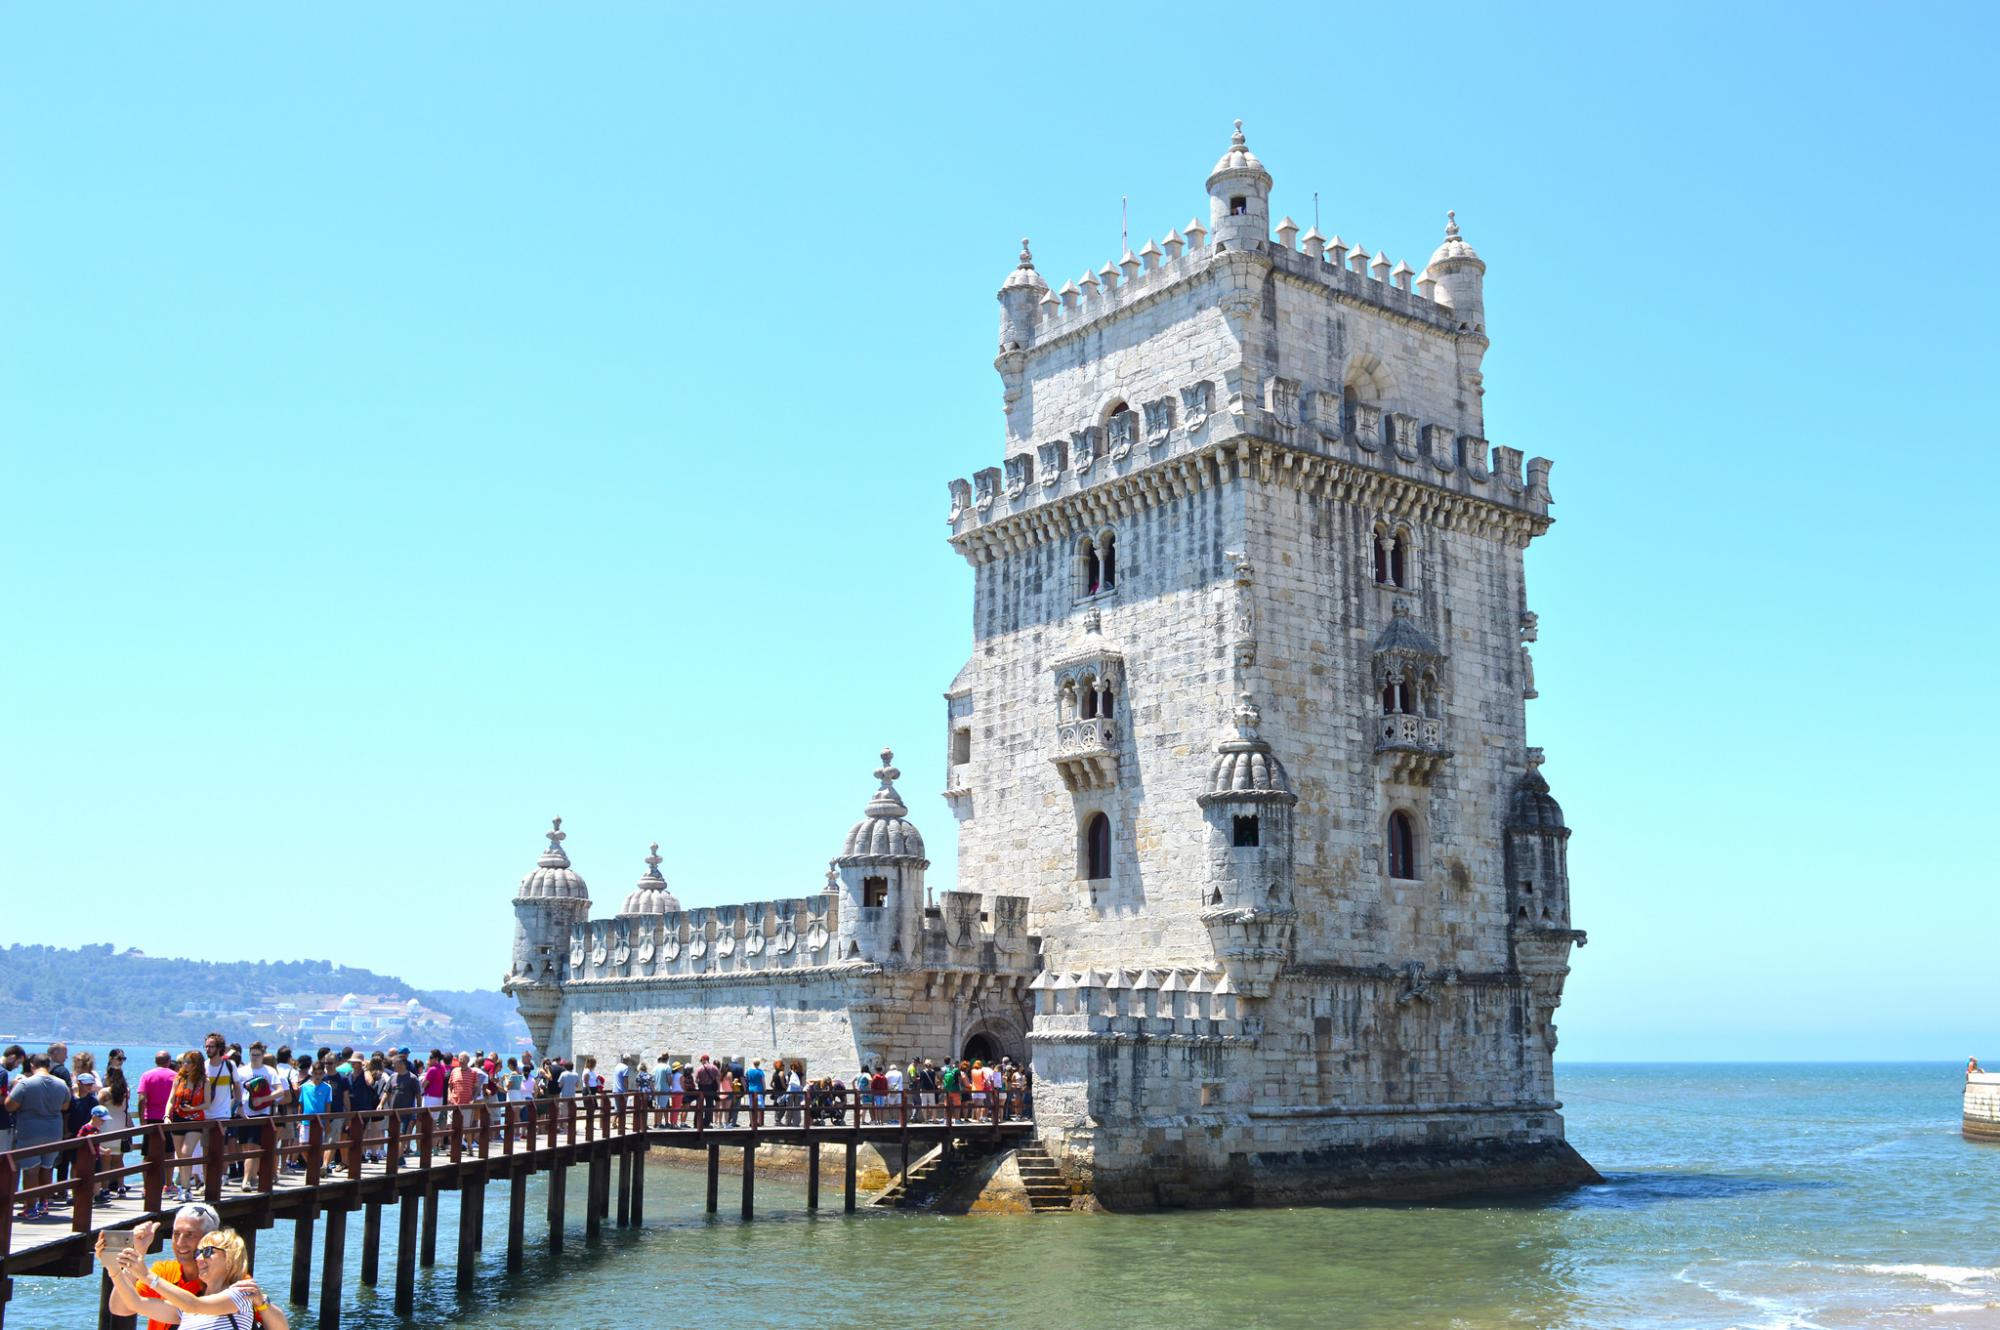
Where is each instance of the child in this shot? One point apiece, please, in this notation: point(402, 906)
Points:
point(92, 1127)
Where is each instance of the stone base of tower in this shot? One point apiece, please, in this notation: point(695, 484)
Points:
point(1241, 1160)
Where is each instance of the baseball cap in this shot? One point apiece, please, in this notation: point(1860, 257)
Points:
point(99, 1111)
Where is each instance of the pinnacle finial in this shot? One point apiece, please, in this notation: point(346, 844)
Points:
point(1247, 716)
point(1450, 224)
point(556, 834)
point(653, 859)
point(1236, 139)
point(887, 771)
point(1027, 259)
point(1400, 608)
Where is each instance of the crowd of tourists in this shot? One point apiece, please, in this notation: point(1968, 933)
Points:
point(50, 1097)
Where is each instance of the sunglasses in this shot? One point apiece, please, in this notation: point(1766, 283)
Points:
point(200, 1252)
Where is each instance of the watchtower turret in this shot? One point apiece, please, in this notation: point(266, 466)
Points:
point(1247, 904)
point(880, 876)
point(1239, 196)
point(551, 900)
point(1021, 296)
point(1457, 275)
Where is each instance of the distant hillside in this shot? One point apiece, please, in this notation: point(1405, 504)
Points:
point(96, 994)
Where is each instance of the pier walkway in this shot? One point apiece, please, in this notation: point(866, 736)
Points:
point(405, 1158)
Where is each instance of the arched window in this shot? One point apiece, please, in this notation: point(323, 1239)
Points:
point(1097, 848)
point(1107, 559)
point(1104, 701)
point(1089, 573)
point(1381, 559)
point(1392, 695)
point(1399, 560)
point(1402, 846)
point(1088, 690)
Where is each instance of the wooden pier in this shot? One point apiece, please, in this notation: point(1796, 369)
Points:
point(406, 1158)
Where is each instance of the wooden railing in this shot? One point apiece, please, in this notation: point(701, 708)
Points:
point(321, 1142)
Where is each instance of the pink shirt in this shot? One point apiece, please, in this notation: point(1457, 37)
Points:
point(155, 1087)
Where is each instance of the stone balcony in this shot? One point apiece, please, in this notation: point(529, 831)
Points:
point(1087, 753)
point(1410, 748)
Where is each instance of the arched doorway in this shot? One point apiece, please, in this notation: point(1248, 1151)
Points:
point(981, 1047)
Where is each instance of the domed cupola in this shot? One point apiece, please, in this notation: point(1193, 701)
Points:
point(1245, 769)
point(651, 895)
point(1534, 808)
point(879, 877)
point(552, 877)
point(884, 834)
point(1239, 194)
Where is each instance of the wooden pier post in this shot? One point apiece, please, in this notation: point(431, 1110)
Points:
point(639, 1185)
point(517, 1222)
point(847, 1203)
point(593, 1197)
point(105, 1319)
point(427, 1250)
point(468, 1235)
point(371, 1244)
point(558, 1188)
point(624, 1188)
point(477, 1190)
point(332, 1286)
point(750, 1180)
point(406, 1254)
point(302, 1259)
point(714, 1172)
point(812, 1177)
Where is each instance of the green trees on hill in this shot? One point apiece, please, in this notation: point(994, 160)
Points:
point(96, 994)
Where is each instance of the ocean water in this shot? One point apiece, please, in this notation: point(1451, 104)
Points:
point(1769, 1196)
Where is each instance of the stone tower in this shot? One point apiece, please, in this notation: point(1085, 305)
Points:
point(551, 900)
point(1245, 720)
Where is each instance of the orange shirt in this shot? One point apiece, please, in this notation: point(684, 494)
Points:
point(170, 1272)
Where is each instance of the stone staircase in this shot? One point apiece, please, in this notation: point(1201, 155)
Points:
point(1047, 1189)
point(923, 1181)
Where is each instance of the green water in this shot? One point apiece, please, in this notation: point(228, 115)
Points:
point(1736, 1196)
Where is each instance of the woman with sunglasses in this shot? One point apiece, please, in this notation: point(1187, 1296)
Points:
point(229, 1300)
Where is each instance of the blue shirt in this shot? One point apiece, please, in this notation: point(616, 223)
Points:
point(753, 1080)
point(314, 1097)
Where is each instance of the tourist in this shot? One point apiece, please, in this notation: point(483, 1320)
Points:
point(405, 1090)
point(893, 1081)
point(927, 1090)
point(12, 1064)
point(192, 1223)
point(186, 1107)
point(229, 1299)
point(59, 1062)
point(37, 1101)
point(730, 1086)
point(753, 1091)
point(795, 1093)
point(222, 1070)
point(593, 1082)
point(259, 1087)
point(315, 1102)
point(707, 1088)
point(76, 1117)
point(462, 1088)
point(1971, 1066)
point(435, 1075)
point(156, 1086)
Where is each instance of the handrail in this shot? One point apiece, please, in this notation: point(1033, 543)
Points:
point(353, 1137)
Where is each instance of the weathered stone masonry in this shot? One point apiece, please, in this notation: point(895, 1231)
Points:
point(1256, 865)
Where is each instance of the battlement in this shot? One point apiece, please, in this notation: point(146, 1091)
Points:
point(1339, 269)
point(1145, 1000)
point(963, 933)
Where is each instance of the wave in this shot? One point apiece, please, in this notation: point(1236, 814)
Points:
point(1957, 1278)
point(1778, 1315)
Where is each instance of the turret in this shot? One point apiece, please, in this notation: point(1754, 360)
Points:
point(551, 899)
point(1537, 856)
point(1458, 276)
point(1021, 297)
point(1247, 889)
point(1239, 196)
point(880, 876)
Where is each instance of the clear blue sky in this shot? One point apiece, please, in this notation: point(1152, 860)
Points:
point(421, 421)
